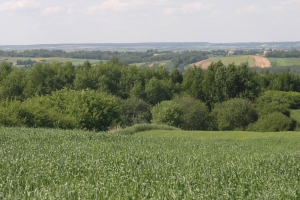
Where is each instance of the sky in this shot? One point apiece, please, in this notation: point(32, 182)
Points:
point(25, 22)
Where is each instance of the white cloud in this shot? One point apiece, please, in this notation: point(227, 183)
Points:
point(250, 10)
point(51, 10)
point(278, 8)
point(292, 1)
point(19, 5)
point(113, 5)
point(170, 11)
point(195, 7)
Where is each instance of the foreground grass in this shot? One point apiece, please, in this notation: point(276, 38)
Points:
point(228, 135)
point(55, 164)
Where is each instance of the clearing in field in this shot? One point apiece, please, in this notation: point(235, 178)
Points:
point(262, 62)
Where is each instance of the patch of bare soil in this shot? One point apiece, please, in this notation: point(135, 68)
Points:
point(203, 64)
point(262, 62)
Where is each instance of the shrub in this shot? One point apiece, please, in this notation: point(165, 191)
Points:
point(64, 109)
point(268, 108)
point(292, 99)
point(167, 112)
point(234, 114)
point(91, 110)
point(273, 122)
point(194, 113)
point(134, 111)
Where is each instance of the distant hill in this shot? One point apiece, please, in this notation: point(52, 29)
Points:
point(161, 46)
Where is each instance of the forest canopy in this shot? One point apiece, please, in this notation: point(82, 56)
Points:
point(125, 94)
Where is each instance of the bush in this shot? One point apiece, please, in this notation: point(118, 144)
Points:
point(167, 112)
point(134, 111)
point(273, 122)
point(234, 114)
point(268, 108)
point(195, 115)
point(12, 114)
point(292, 99)
point(91, 110)
point(63, 109)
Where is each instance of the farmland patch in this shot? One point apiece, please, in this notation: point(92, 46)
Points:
point(262, 62)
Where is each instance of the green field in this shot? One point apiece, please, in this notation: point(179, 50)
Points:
point(167, 64)
point(50, 60)
point(237, 60)
point(57, 164)
point(284, 62)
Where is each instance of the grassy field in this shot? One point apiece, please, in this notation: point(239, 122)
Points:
point(237, 60)
point(51, 60)
point(284, 62)
point(167, 64)
point(56, 164)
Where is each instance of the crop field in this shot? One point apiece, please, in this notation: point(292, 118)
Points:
point(237, 60)
point(168, 64)
point(62, 164)
point(284, 62)
point(75, 61)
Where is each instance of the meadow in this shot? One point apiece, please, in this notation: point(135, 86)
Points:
point(237, 60)
point(284, 62)
point(63, 164)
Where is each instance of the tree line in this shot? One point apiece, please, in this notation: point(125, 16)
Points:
point(283, 54)
point(114, 93)
point(178, 58)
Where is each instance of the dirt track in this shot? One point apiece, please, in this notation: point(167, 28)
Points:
point(262, 62)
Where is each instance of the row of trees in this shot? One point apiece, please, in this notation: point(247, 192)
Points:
point(284, 54)
point(178, 58)
point(196, 98)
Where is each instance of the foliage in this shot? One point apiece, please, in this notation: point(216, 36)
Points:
point(134, 111)
point(63, 109)
point(284, 54)
point(158, 90)
point(192, 82)
point(5, 70)
point(45, 78)
point(291, 99)
point(267, 108)
point(273, 122)
point(12, 86)
point(195, 114)
point(222, 83)
point(167, 112)
point(234, 114)
point(295, 116)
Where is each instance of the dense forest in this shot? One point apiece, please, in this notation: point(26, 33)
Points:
point(114, 93)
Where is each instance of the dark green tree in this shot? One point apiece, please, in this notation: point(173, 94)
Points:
point(234, 114)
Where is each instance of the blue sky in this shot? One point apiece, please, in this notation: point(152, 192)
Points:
point(126, 21)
